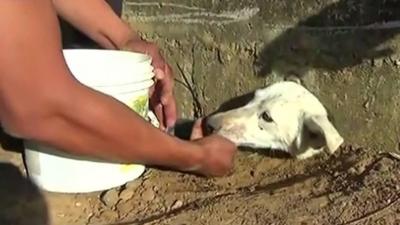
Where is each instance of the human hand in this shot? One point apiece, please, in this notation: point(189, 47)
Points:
point(162, 100)
point(219, 152)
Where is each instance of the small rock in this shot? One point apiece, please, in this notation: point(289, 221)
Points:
point(352, 171)
point(382, 167)
point(361, 169)
point(126, 194)
point(367, 104)
point(176, 204)
point(365, 182)
point(110, 198)
point(133, 185)
point(333, 196)
point(377, 62)
point(336, 174)
point(148, 195)
point(78, 204)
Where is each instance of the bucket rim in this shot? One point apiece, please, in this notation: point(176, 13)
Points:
point(144, 57)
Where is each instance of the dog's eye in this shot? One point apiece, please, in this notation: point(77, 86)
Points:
point(266, 117)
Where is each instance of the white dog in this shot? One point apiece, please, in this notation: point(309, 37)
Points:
point(284, 116)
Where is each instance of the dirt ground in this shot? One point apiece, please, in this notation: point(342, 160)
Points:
point(355, 186)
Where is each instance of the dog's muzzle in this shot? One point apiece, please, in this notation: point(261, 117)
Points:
point(208, 128)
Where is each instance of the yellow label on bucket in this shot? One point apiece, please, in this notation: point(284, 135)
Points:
point(128, 168)
point(140, 105)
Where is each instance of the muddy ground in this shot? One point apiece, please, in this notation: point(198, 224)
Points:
point(355, 186)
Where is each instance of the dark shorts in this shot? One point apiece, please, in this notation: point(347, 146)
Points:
point(72, 38)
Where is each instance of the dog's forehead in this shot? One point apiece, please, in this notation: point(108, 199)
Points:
point(281, 108)
point(282, 90)
point(281, 94)
point(286, 96)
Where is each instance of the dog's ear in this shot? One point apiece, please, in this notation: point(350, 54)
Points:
point(320, 125)
point(318, 132)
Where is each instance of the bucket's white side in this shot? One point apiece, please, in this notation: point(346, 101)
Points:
point(71, 175)
point(54, 171)
point(97, 67)
point(134, 95)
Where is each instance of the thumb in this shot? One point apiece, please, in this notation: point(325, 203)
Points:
point(197, 130)
point(159, 74)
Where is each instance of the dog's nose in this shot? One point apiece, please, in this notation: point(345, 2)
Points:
point(209, 127)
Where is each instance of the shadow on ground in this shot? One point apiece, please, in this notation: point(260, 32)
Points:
point(21, 201)
point(336, 38)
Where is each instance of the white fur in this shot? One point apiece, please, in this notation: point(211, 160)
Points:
point(295, 112)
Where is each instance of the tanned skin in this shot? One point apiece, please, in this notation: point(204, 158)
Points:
point(40, 99)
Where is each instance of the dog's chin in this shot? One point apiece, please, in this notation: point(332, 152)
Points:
point(228, 135)
point(257, 146)
point(269, 147)
point(239, 140)
point(249, 145)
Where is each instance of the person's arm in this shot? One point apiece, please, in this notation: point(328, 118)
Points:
point(97, 20)
point(40, 100)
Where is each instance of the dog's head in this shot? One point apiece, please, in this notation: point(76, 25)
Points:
point(284, 116)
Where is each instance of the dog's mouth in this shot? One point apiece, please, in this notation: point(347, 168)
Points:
point(208, 129)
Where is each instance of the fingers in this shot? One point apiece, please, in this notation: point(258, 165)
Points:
point(159, 74)
point(158, 61)
point(165, 78)
point(197, 131)
point(163, 100)
point(156, 106)
point(158, 110)
point(166, 95)
point(170, 111)
point(220, 153)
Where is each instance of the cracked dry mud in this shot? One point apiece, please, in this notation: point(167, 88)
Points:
point(355, 186)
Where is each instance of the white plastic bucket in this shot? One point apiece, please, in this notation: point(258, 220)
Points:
point(97, 68)
point(127, 77)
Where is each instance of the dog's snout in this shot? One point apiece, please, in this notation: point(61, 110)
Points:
point(209, 129)
point(210, 126)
